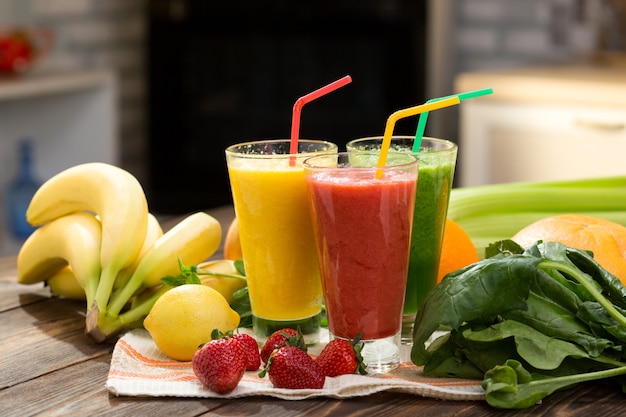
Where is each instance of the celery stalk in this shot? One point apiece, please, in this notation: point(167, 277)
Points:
point(493, 212)
point(468, 203)
point(506, 225)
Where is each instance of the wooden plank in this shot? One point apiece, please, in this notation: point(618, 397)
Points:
point(43, 337)
point(15, 295)
point(8, 268)
point(80, 390)
point(74, 390)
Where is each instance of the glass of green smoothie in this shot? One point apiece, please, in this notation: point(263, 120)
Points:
point(437, 161)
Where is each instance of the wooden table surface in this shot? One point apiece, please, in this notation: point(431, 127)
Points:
point(48, 366)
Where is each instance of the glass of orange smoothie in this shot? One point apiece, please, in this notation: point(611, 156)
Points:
point(271, 206)
point(362, 219)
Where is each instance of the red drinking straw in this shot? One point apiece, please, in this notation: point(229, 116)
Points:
point(297, 109)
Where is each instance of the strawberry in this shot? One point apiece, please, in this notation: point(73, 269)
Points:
point(340, 357)
point(291, 367)
point(280, 338)
point(220, 364)
point(253, 359)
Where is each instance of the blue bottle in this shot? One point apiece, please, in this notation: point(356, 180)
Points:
point(19, 192)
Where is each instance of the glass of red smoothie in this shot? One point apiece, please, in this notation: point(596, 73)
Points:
point(362, 217)
point(437, 161)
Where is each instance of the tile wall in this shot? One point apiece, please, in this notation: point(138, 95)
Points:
point(506, 33)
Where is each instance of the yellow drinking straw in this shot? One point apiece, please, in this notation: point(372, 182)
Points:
point(401, 114)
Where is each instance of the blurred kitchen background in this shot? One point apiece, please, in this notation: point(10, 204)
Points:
point(161, 87)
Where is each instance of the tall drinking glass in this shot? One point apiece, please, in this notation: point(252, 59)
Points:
point(277, 243)
point(436, 173)
point(362, 225)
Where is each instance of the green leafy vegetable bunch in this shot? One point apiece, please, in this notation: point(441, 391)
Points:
point(527, 322)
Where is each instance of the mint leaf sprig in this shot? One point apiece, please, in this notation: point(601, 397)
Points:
point(191, 274)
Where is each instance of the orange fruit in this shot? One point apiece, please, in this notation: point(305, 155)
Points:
point(606, 239)
point(232, 244)
point(457, 249)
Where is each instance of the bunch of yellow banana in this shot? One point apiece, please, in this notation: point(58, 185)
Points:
point(96, 234)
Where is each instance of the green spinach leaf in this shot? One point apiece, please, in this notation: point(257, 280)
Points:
point(612, 287)
point(485, 289)
point(448, 360)
point(552, 310)
point(512, 386)
point(539, 350)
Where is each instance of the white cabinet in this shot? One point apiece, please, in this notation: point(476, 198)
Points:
point(543, 124)
point(71, 118)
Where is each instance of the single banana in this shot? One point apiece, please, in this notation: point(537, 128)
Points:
point(74, 240)
point(64, 284)
point(115, 196)
point(192, 240)
point(153, 233)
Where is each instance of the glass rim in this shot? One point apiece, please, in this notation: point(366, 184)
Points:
point(450, 145)
point(230, 150)
point(413, 161)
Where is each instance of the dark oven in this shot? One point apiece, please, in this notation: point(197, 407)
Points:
point(223, 72)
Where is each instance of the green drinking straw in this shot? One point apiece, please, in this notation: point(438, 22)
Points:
point(400, 114)
point(421, 124)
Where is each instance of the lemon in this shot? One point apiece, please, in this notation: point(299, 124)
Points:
point(224, 285)
point(182, 319)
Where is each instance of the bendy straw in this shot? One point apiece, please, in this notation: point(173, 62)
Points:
point(421, 124)
point(401, 114)
point(297, 108)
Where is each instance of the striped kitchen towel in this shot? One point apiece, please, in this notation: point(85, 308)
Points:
point(139, 368)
